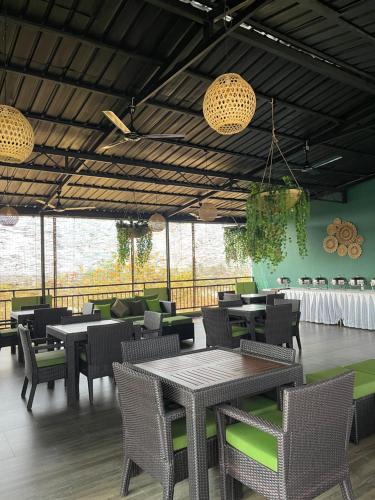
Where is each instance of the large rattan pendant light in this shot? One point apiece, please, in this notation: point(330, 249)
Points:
point(157, 221)
point(16, 133)
point(229, 104)
point(207, 212)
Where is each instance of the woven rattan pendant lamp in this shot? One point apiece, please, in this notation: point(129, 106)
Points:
point(207, 212)
point(157, 221)
point(229, 104)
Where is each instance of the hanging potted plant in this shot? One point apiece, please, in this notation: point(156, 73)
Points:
point(123, 241)
point(144, 247)
point(270, 207)
point(133, 230)
point(235, 245)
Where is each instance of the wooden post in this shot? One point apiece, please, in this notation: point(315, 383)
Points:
point(42, 259)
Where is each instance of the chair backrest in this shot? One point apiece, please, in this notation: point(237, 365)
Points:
point(246, 287)
point(104, 346)
point(81, 318)
point(217, 326)
point(35, 306)
point(230, 303)
point(296, 304)
point(28, 351)
point(231, 296)
point(142, 411)
point(88, 308)
point(271, 297)
point(262, 350)
point(220, 295)
point(143, 349)
point(18, 302)
point(153, 320)
point(278, 324)
point(317, 419)
point(44, 317)
point(163, 293)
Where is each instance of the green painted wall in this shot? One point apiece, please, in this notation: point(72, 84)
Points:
point(360, 211)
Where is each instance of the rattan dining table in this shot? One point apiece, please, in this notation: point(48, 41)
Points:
point(201, 379)
point(71, 334)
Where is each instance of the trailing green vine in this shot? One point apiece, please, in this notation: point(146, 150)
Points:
point(123, 242)
point(235, 246)
point(144, 247)
point(268, 211)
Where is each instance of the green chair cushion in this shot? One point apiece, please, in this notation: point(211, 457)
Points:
point(238, 330)
point(161, 293)
point(259, 328)
point(179, 430)
point(50, 358)
point(256, 444)
point(258, 405)
point(177, 320)
point(8, 332)
point(364, 383)
point(108, 300)
point(18, 302)
point(246, 287)
point(367, 366)
point(105, 310)
point(153, 305)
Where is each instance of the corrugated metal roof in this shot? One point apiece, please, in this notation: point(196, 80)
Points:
point(67, 61)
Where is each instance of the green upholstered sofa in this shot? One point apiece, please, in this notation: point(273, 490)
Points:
point(246, 287)
point(18, 302)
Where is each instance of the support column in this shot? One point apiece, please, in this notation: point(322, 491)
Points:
point(42, 259)
point(132, 259)
point(168, 258)
point(193, 264)
point(54, 243)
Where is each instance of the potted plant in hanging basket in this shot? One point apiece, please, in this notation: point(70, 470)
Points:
point(235, 246)
point(133, 230)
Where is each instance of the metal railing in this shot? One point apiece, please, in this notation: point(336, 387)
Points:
point(187, 294)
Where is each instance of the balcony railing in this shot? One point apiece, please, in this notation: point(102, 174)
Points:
point(187, 294)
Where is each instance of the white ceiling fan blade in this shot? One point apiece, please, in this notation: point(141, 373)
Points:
point(322, 163)
point(105, 148)
point(71, 209)
point(42, 202)
point(163, 136)
point(116, 121)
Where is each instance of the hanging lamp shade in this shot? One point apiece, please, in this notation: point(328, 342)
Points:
point(8, 216)
point(207, 212)
point(16, 135)
point(157, 222)
point(229, 104)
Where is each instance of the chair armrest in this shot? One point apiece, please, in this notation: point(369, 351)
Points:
point(176, 414)
point(236, 321)
point(47, 347)
point(146, 331)
point(137, 331)
point(257, 422)
point(168, 307)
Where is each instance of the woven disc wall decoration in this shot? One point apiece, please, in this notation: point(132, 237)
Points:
point(330, 244)
point(343, 238)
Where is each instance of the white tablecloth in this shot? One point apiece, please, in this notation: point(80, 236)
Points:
point(356, 308)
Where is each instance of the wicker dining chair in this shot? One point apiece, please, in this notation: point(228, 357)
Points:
point(231, 296)
point(271, 297)
point(221, 330)
point(277, 328)
point(152, 348)
point(296, 309)
point(294, 454)
point(154, 439)
point(45, 365)
point(103, 347)
point(47, 316)
point(152, 325)
point(230, 303)
point(81, 318)
point(35, 306)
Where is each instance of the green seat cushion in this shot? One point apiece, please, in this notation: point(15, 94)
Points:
point(367, 366)
point(364, 383)
point(177, 320)
point(108, 300)
point(105, 310)
point(8, 332)
point(258, 405)
point(50, 358)
point(153, 305)
point(160, 293)
point(256, 444)
point(179, 430)
point(259, 329)
point(246, 287)
point(238, 330)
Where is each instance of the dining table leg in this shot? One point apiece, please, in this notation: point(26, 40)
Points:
point(197, 451)
point(71, 385)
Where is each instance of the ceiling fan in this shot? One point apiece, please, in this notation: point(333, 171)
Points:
point(308, 167)
point(131, 134)
point(58, 208)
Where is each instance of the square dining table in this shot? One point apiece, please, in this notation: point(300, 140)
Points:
point(71, 334)
point(248, 312)
point(200, 379)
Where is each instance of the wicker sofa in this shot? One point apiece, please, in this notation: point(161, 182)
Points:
point(172, 323)
point(363, 395)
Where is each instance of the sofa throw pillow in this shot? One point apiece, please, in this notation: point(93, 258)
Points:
point(120, 310)
point(105, 310)
point(137, 307)
point(154, 305)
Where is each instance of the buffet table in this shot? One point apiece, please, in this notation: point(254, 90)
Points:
point(355, 308)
